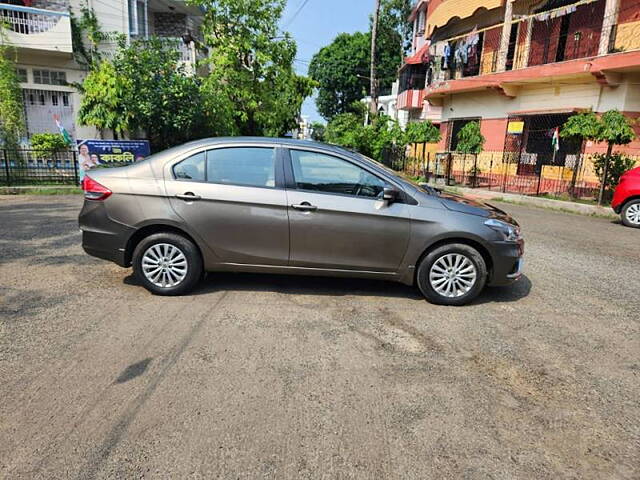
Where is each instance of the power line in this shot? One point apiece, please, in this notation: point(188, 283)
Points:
point(290, 21)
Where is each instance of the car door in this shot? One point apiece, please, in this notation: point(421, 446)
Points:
point(337, 218)
point(233, 197)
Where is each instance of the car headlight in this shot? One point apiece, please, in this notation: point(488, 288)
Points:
point(510, 232)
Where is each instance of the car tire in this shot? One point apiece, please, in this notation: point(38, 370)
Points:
point(630, 214)
point(452, 274)
point(167, 264)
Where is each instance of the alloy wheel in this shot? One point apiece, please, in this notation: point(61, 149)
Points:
point(164, 265)
point(633, 214)
point(452, 275)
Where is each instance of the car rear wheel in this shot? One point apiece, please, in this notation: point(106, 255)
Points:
point(631, 214)
point(452, 274)
point(167, 264)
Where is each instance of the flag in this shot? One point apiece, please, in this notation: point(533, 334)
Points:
point(63, 131)
point(555, 140)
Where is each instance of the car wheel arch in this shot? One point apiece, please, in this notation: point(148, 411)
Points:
point(629, 199)
point(152, 228)
point(471, 242)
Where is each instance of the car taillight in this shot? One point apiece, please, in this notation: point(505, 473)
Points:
point(93, 190)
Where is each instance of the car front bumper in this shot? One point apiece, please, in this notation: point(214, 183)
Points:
point(508, 263)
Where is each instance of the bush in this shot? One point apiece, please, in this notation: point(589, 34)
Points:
point(46, 144)
point(618, 164)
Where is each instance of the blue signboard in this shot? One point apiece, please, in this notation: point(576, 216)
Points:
point(92, 153)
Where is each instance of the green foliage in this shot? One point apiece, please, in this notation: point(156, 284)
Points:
point(584, 126)
point(470, 140)
point(45, 144)
point(105, 100)
point(616, 129)
point(618, 164)
point(612, 127)
point(340, 69)
point(252, 88)
point(144, 89)
point(12, 122)
point(318, 131)
point(86, 27)
point(419, 132)
point(348, 130)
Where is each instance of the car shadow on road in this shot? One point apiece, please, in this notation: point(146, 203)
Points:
point(329, 286)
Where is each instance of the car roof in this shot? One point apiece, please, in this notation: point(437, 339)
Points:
point(289, 142)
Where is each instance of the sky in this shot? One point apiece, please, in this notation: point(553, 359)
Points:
point(316, 25)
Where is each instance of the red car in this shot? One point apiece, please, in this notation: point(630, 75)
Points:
point(626, 198)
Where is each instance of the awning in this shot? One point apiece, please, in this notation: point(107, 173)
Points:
point(441, 12)
point(421, 56)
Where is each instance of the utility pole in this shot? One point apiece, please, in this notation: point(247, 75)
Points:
point(372, 77)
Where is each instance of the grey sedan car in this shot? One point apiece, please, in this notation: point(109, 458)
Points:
point(292, 207)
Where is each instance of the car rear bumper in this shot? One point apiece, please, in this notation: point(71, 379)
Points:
point(103, 237)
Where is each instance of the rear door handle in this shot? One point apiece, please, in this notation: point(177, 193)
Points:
point(305, 207)
point(188, 196)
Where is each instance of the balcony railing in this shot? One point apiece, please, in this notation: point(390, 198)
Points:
point(28, 21)
point(567, 33)
point(36, 28)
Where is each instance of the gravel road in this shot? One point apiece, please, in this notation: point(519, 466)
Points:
point(260, 376)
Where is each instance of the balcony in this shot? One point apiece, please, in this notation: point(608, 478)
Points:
point(37, 29)
point(568, 42)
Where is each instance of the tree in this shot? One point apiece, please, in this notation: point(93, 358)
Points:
point(12, 123)
point(252, 88)
point(317, 131)
point(144, 89)
point(618, 164)
point(422, 132)
point(612, 127)
point(340, 69)
point(616, 130)
point(471, 140)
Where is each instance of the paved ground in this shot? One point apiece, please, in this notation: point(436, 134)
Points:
point(289, 377)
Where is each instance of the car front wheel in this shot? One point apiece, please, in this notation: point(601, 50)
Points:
point(167, 264)
point(452, 274)
point(631, 214)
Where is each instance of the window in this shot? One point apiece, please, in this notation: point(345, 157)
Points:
point(48, 77)
point(138, 17)
point(22, 75)
point(251, 166)
point(324, 173)
point(191, 168)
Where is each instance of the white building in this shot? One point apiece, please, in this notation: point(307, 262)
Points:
point(41, 31)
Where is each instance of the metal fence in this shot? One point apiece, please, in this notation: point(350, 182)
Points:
point(499, 171)
point(37, 167)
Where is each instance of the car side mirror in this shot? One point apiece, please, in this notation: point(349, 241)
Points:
point(390, 194)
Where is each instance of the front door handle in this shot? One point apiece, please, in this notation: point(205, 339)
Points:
point(188, 196)
point(305, 207)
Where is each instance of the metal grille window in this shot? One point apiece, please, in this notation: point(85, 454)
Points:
point(49, 77)
point(43, 106)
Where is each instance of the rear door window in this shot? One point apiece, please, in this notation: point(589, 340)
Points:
point(246, 166)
